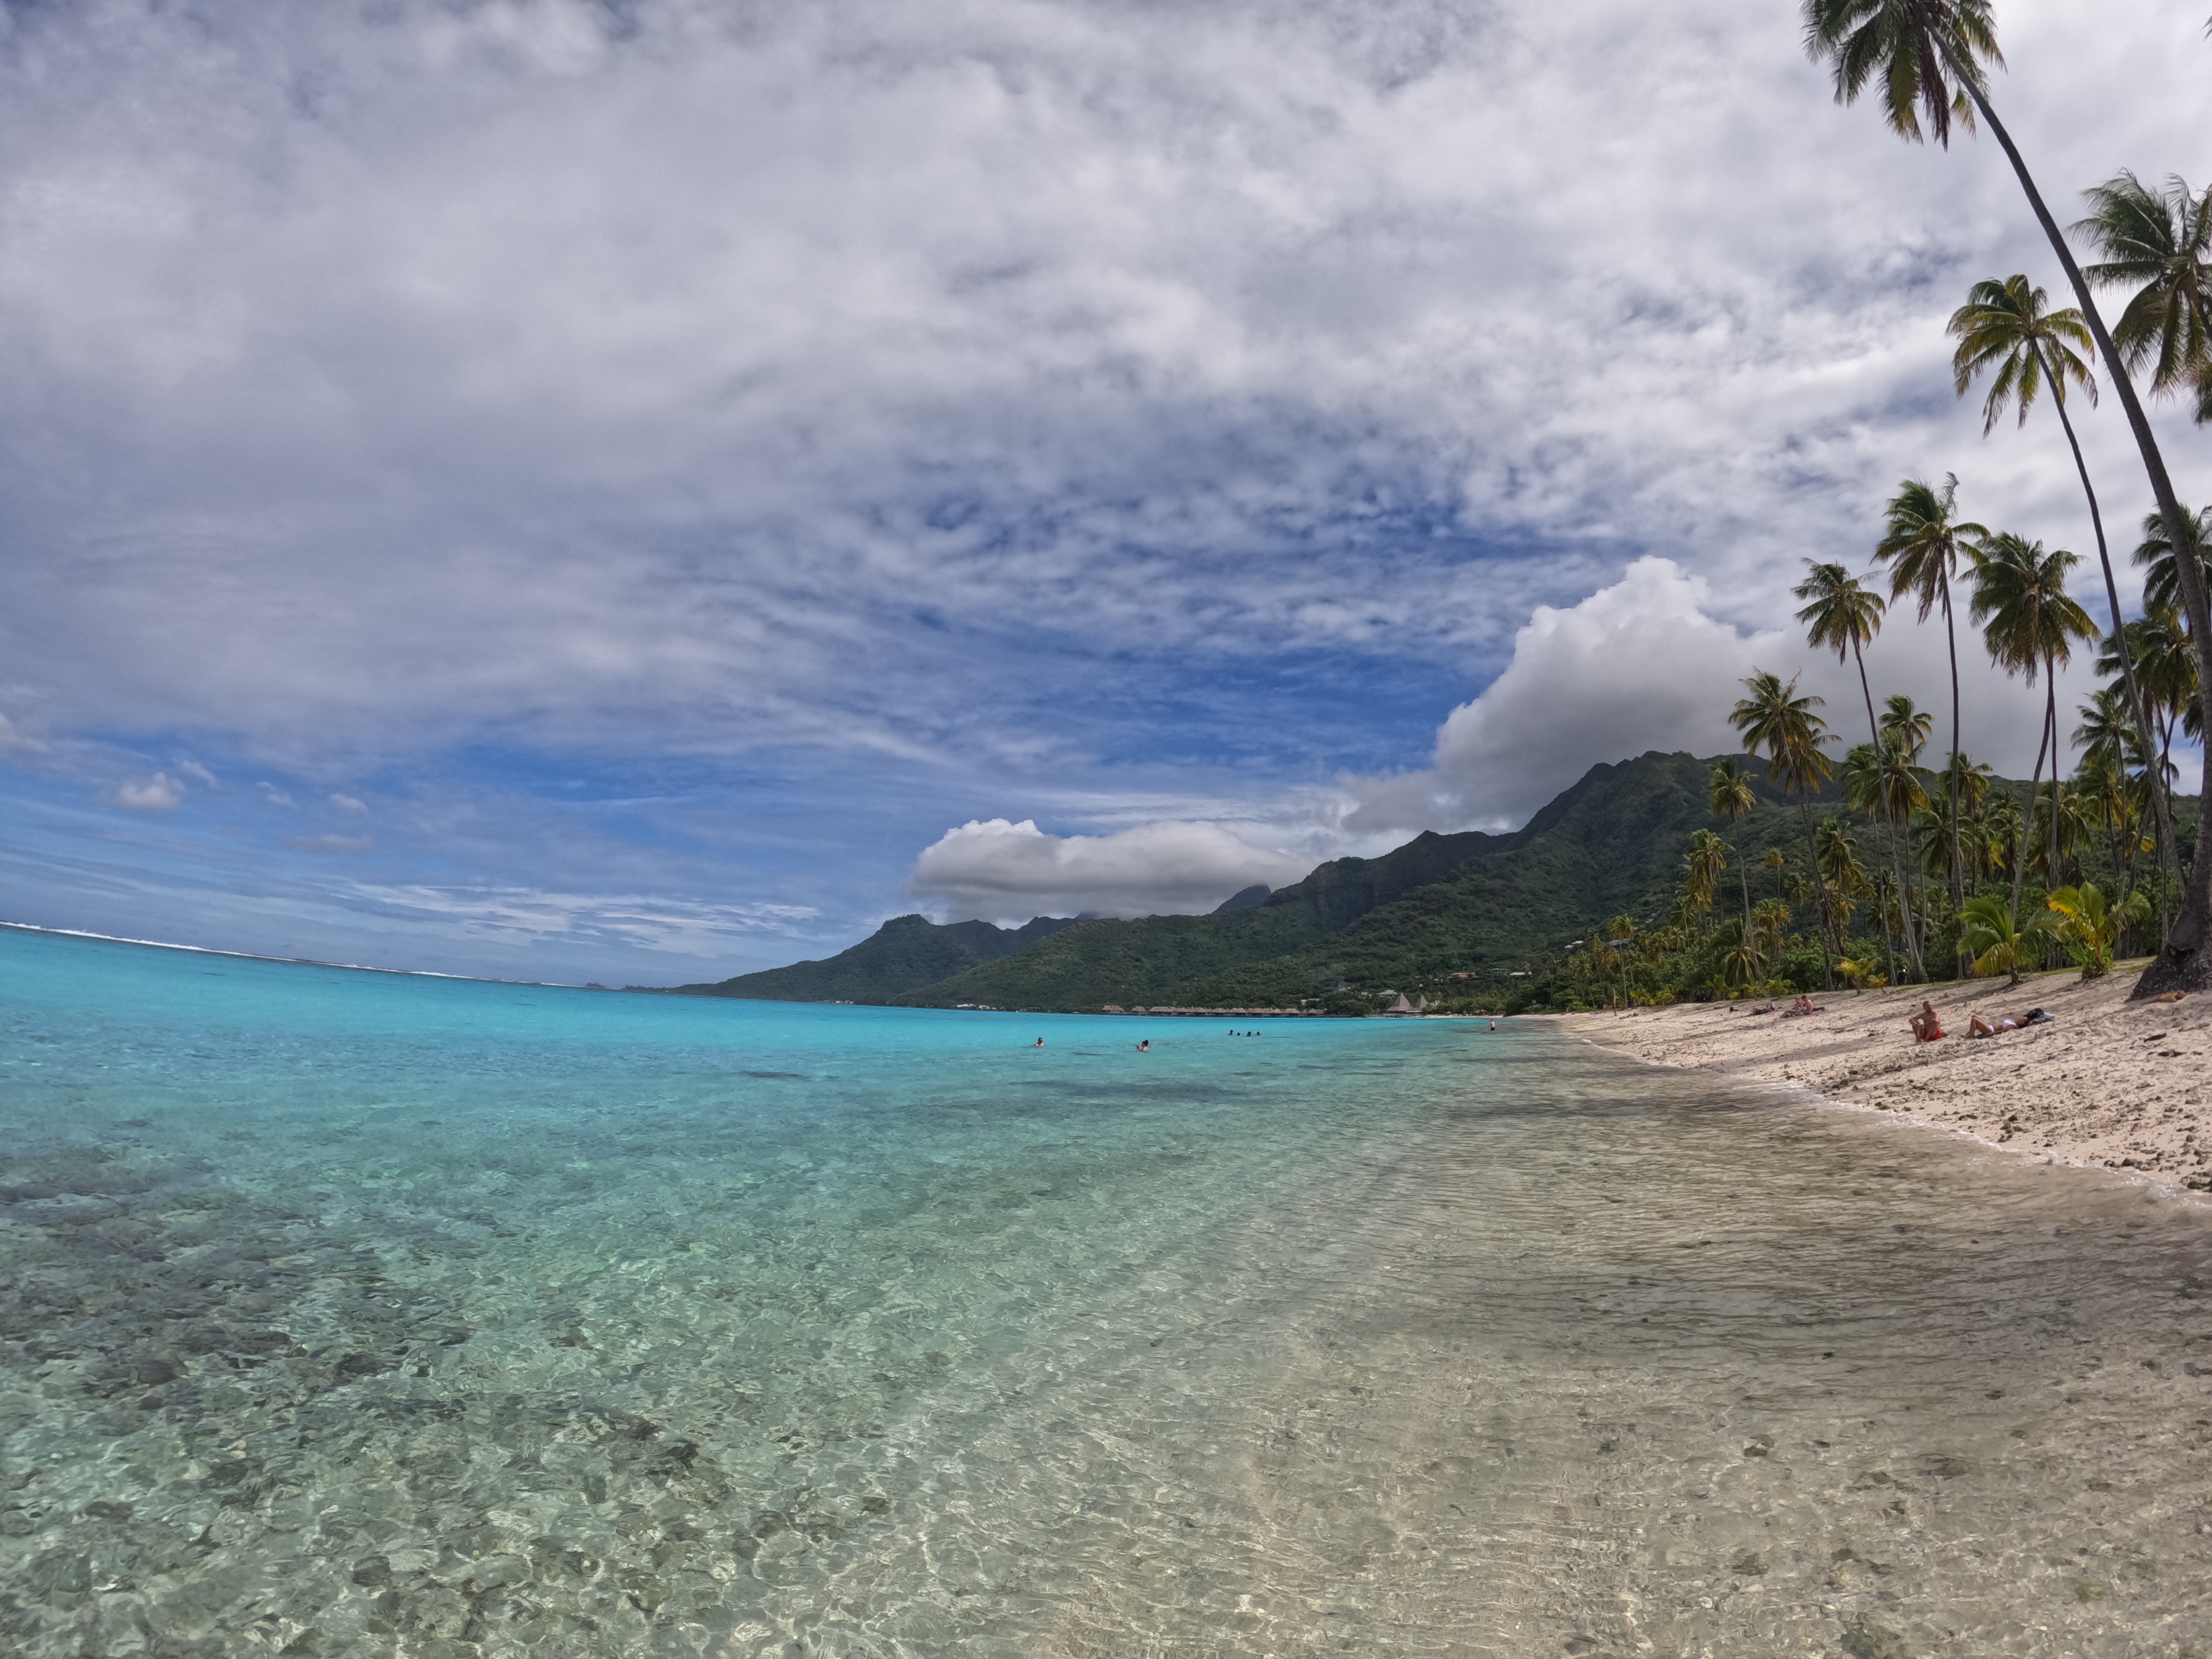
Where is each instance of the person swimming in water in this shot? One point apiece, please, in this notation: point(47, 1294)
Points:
point(1039, 1043)
point(1145, 1046)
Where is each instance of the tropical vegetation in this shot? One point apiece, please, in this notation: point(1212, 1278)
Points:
point(1926, 62)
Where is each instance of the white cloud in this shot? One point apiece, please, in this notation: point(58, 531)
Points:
point(158, 794)
point(524, 917)
point(349, 804)
point(1638, 665)
point(1007, 872)
point(1644, 664)
point(14, 740)
point(199, 774)
point(329, 843)
point(272, 794)
point(642, 378)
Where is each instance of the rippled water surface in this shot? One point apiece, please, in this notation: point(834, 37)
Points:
point(354, 1314)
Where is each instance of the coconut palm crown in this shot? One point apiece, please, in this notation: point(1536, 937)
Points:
point(2160, 240)
point(1922, 55)
point(1775, 718)
point(2004, 327)
point(1921, 544)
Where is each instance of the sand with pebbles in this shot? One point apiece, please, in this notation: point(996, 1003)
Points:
point(2110, 1083)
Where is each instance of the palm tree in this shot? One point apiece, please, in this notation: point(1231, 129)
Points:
point(1922, 544)
point(2162, 585)
point(1620, 935)
point(1770, 929)
point(1842, 616)
point(1776, 860)
point(2030, 625)
point(1776, 719)
point(1990, 932)
point(1702, 868)
point(2004, 326)
point(1909, 725)
point(2161, 240)
point(2090, 927)
point(1841, 874)
point(1730, 792)
point(1928, 57)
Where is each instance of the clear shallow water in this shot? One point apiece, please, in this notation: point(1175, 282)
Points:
point(350, 1314)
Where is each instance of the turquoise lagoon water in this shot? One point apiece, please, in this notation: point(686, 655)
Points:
point(345, 1313)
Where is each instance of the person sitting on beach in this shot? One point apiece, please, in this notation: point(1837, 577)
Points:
point(1927, 1027)
point(1801, 1007)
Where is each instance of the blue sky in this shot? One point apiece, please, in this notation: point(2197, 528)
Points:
point(642, 493)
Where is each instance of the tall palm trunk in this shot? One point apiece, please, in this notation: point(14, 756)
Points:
point(1743, 879)
point(2027, 822)
point(2160, 815)
point(1958, 872)
point(1819, 893)
point(1889, 825)
point(2182, 962)
point(2057, 789)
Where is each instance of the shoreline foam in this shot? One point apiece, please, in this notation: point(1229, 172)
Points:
point(2109, 1084)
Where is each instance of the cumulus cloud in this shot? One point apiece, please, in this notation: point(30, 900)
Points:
point(329, 843)
point(1639, 665)
point(1644, 664)
point(158, 794)
point(1003, 872)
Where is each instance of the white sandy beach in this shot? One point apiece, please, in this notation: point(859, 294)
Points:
point(2110, 1082)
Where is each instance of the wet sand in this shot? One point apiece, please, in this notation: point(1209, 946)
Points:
point(2110, 1083)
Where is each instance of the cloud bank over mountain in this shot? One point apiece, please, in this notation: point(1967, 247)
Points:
point(1006, 872)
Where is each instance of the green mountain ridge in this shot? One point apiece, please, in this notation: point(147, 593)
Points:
point(904, 953)
point(1472, 903)
point(1468, 902)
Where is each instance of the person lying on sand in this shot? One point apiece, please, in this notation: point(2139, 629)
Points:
point(1978, 1027)
point(1926, 1026)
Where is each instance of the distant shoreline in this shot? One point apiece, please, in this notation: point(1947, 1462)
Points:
point(2109, 1084)
point(296, 962)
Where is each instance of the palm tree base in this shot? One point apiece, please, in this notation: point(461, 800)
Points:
point(2182, 963)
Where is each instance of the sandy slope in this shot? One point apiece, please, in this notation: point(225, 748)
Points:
point(2112, 1083)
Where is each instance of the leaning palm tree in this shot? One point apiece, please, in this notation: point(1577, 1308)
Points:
point(1844, 615)
point(1778, 861)
point(1731, 795)
point(1928, 57)
point(1776, 719)
point(2005, 329)
point(2029, 624)
point(2162, 240)
point(1921, 544)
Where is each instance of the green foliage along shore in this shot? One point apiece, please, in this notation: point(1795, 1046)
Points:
point(1472, 921)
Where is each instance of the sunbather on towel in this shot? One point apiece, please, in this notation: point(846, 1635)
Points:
point(1978, 1027)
